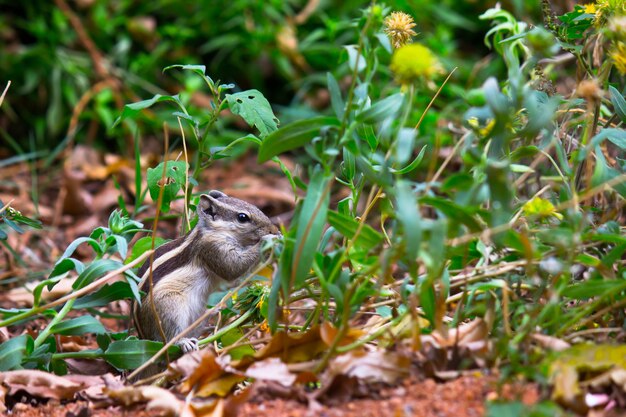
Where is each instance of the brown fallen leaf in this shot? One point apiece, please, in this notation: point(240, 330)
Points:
point(40, 384)
point(328, 333)
point(197, 368)
point(154, 397)
point(374, 366)
point(464, 335)
point(290, 347)
point(550, 342)
point(271, 369)
point(203, 373)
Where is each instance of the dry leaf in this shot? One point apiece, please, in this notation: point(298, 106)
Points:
point(272, 369)
point(550, 342)
point(220, 387)
point(197, 368)
point(40, 384)
point(204, 373)
point(328, 333)
point(464, 335)
point(154, 397)
point(372, 366)
point(291, 348)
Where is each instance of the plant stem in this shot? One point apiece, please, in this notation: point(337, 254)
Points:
point(83, 354)
point(60, 316)
point(85, 290)
point(240, 320)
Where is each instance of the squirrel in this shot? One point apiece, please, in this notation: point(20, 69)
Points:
point(224, 245)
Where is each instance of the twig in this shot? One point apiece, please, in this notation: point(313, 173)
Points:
point(5, 92)
point(186, 200)
point(85, 290)
point(432, 100)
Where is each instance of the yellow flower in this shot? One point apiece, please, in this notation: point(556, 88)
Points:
point(589, 8)
point(541, 207)
point(414, 61)
point(619, 57)
point(482, 131)
point(398, 26)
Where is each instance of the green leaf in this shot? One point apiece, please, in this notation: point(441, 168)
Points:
point(131, 354)
point(310, 226)
point(78, 326)
point(412, 165)
point(120, 243)
point(173, 181)
point(142, 245)
point(619, 103)
point(254, 108)
point(130, 110)
point(108, 293)
point(232, 336)
point(368, 237)
point(66, 265)
point(335, 95)
point(405, 142)
point(511, 409)
point(408, 215)
point(453, 211)
point(500, 191)
point(594, 288)
point(381, 110)
point(294, 135)
point(13, 351)
point(428, 300)
point(77, 242)
point(95, 270)
point(198, 69)
point(50, 282)
point(355, 59)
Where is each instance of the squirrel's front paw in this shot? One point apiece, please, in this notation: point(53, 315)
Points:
point(188, 344)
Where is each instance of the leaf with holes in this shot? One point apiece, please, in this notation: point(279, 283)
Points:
point(172, 181)
point(254, 108)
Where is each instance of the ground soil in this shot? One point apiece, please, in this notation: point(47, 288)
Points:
point(462, 397)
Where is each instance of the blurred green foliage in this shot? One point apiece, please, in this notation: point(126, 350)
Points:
point(282, 48)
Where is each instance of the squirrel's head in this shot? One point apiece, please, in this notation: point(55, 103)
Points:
point(233, 219)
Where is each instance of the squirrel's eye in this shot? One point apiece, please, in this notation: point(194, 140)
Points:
point(243, 218)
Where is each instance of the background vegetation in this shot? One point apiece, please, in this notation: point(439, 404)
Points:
point(458, 183)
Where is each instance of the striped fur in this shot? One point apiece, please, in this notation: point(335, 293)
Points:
point(185, 271)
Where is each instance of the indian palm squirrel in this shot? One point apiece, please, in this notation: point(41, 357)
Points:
point(223, 246)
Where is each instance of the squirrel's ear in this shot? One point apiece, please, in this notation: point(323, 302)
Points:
point(206, 205)
point(217, 194)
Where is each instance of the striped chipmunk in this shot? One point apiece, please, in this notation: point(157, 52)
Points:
point(224, 246)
